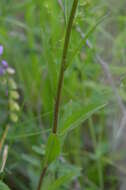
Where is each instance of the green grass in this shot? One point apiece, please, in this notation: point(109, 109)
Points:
point(32, 33)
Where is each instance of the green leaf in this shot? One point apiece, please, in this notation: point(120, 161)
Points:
point(52, 149)
point(33, 161)
point(83, 41)
point(61, 181)
point(79, 116)
point(39, 150)
point(3, 186)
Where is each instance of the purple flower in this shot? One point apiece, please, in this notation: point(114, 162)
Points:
point(1, 49)
point(2, 71)
point(4, 64)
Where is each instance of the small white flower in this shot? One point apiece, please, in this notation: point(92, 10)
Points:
point(10, 70)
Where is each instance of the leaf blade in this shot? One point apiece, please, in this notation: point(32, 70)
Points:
point(81, 116)
point(3, 186)
point(52, 149)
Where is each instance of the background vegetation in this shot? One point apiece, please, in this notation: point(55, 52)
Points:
point(93, 155)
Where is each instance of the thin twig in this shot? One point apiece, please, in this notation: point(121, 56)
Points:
point(4, 137)
point(4, 158)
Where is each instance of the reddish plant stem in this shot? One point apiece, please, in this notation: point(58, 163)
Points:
point(63, 66)
point(42, 177)
point(60, 81)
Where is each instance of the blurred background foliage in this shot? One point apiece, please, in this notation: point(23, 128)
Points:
point(32, 33)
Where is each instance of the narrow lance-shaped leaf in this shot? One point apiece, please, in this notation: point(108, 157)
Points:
point(52, 149)
point(79, 116)
point(91, 30)
point(61, 181)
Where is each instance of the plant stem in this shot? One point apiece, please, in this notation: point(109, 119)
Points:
point(63, 66)
point(42, 177)
point(60, 81)
point(4, 137)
